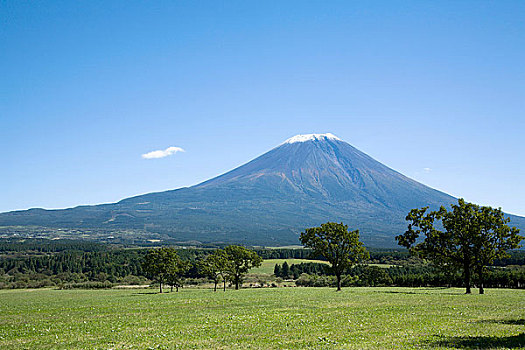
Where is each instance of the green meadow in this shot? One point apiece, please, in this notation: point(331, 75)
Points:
point(264, 318)
point(268, 265)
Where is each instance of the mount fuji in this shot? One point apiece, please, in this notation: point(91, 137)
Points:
point(305, 181)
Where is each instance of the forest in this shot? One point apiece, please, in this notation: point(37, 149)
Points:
point(36, 263)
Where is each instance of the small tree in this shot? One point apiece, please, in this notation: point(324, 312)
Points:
point(160, 264)
point(177, 269)
point(216, 267)
point(472, 237)
point(285, 272)
point(340, 247)
point(241, 260)
point(277, 271)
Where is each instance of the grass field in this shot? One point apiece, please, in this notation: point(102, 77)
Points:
point(278, 318)
point(269, 264)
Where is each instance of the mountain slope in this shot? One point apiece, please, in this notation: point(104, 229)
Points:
point(308, 180)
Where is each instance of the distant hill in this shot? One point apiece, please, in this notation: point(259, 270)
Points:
point(307, 180)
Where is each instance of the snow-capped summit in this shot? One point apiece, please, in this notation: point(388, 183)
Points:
point(312, 137)
point(308, 180)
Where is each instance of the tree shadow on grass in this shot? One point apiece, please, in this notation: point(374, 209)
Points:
point(395, 292)
point(421, 291)
point(518, 322)
point(511, 342)
point(146, 293)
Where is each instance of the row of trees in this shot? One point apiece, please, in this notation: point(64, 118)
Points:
point(40, 245)
point(422, 275)
point(230, 264)
point(293, 271)
point(465, 239)
point(468, 238)
point(164, 265)
point(114, 263)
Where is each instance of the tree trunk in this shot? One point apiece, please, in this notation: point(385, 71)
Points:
point(480, 275)
point(215, 287)
point(160, 285)
point(236, 284)
point(466, 271)
point(338, 276)
point(224, 285)
point(171, 289)
point(177, 288)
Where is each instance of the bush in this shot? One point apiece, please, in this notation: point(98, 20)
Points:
point(306, 280)
point(349, 281)
point(133, 280)
point(40, 283)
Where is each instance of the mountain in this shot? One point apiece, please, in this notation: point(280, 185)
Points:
point(307, 180)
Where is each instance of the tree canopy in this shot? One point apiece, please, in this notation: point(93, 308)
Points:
point(468, 236)
point(241, 261)
point(339, 246)
point(216, 266)
point(164, 265)
point(176, 270)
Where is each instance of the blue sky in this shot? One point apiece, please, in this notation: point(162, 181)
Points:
point(435, 90)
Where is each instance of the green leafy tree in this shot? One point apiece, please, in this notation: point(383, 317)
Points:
point(161, 264)
point(339, 246)
point(471, 237)
point(216, 266)
point(176, 271)
point(241, 261)
point(493, 240)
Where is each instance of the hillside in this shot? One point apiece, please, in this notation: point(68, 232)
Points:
point(307, 180)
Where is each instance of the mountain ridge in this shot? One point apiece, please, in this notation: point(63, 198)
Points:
point(305, 181)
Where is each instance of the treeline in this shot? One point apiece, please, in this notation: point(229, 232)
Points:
point(295, 270)
point(278, 253)
point(113, 266)
point(82, 264)
point(318, 275)
point(377, 256)
point(72, 267)
point(37, 245)
point(383, 256)
point(516, 257)
point(115, 263)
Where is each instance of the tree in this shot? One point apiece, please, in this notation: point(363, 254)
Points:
point(277, 271)
point(241, 260)
point(472, 237)
point(285, 272)
point(495, 237)
point(176, 270)
point(216, 266)
point(162, 264)
point(339, 246)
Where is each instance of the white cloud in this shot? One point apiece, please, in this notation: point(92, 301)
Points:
point(427, 170)
point(162, 153)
